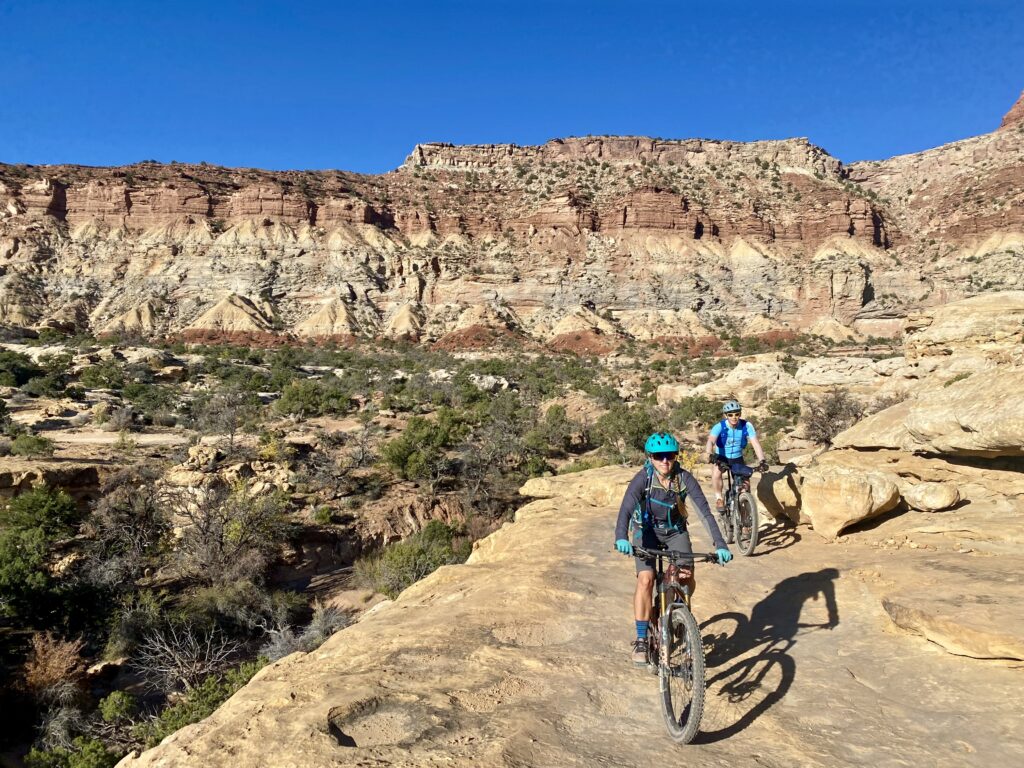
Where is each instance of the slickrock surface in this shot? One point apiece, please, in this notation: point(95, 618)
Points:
point(519, 658)
point(579, 243)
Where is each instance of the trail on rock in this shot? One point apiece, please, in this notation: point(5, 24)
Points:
point(520, 658)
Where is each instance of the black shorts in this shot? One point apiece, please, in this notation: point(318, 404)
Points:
point(659, 538)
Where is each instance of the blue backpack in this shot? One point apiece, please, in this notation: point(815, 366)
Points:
point(642, 515)
point(723, 435)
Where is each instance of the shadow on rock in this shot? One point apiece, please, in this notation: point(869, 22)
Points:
point(750, 666)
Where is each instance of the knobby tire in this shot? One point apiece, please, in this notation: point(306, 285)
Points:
point(746, 523)
point(682, 679)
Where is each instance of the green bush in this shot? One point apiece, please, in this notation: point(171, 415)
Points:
point(200, 702)
point(106, 375)
point(697, 410)
point(16, 369)
point(314, 397)
point(621, 431)
point(87, 753)
point(420, 450)
point(406, 562)
point(29, 526)
point(32, 446)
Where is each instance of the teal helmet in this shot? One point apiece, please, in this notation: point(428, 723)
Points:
point(731, 406)
point(661, 442)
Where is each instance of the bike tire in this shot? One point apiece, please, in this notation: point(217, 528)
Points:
point(681, 674)
point(726, 519)
point(746, 523)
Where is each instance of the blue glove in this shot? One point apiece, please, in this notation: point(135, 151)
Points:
point(624, 547)
point(724, 555)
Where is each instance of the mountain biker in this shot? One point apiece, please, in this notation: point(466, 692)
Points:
point(654, 514)
point(726, 442)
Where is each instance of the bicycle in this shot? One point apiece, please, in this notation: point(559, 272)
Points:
point(740, 519)
point(675, 650)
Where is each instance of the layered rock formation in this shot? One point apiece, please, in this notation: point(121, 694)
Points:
point(578, 243)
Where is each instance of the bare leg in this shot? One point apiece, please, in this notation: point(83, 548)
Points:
point(716, 481)
point(642, 597)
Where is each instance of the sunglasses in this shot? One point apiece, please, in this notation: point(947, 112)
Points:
point(733, 413)
point(663, 456)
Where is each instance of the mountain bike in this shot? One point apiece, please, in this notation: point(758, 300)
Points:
point(675, 650)
point(740, 519)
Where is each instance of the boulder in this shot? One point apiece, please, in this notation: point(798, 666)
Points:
point(779, 493)
point(931, 497)
point(836, 497)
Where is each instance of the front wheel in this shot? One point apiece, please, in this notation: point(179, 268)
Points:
point(681, 673)
point(745, 522)
point(726, 519)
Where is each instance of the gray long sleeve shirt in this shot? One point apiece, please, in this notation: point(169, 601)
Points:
point(635, 495)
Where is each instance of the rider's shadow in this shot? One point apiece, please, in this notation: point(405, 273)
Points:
point(751, 667)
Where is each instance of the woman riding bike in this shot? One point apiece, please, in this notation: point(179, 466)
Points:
point(653, 515)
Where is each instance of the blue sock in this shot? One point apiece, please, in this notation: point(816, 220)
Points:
point(641, 630)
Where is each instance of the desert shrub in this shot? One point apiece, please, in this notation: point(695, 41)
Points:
point(150, 399)
point(106, 375)
point(314, 397)
point(179, 656)
point(5, 446)
point(226, 412)
point(48, 385)
point(30, 524)
point(788, 410)
point(16, 369)
point(227, 534)
point(621, 432)
point(325, 622)
point(406, 562)
point(959, 377)
point(32, 446)
point(582, 465)
point(697, 410)
point(826, 416)
point(83, 752)
point(119, 419)
point(55, 669)
point(129, 529)
point(198, 703)
point(419, 452)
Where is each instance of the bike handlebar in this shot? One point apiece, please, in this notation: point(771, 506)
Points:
point(645, 552)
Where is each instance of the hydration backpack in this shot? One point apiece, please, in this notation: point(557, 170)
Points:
point(723, 435)
point(643, 518)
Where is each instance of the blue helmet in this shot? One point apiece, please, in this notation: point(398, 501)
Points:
point(661, 442)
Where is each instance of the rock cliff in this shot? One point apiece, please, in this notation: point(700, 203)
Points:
point(475, 240)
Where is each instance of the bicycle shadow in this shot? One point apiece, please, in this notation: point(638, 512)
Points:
point(781, 534)
point(771, 632)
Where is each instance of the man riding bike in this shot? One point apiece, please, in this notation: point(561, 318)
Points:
point(653, 514)
point(726, 442)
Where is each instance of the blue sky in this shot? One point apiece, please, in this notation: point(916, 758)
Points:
point(355, 85)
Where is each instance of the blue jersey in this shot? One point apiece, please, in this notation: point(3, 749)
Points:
point(735, 439)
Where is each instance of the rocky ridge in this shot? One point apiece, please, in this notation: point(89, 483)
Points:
point(536, 667)
point(581, 241)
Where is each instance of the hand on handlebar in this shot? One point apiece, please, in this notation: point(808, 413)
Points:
point(724, 555)
point(624, 546)
point(763, 466)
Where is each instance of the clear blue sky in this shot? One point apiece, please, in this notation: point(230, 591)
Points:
point(354, 85)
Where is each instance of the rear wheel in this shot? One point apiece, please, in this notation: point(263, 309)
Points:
point(681, 672)
point(745, 522)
